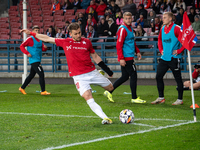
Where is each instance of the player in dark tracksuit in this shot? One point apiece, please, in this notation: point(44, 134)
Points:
point(34, 52)
point(126, 49)
point(170, 49)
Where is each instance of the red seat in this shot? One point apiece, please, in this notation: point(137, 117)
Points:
point(15, 37)
point(35, 8)
point(81, 10)
point(70, 18)
point(69, 12)
point(47, 18)
point(41, 30)
point(16, 25)
point(59, 18)
point(5, 31)
point(47, 13)
point(4, 37)
point(4, 19)
point(35, 2)
point(46, 7)
point(14, 14)
point(48, 24)
point(58, 13)
point(40, 24)
point(37, 19)
point(14, 31)
point(36, 13)
point(60, 24)
point(16, 19)
point(4, 25)
point(13, 8)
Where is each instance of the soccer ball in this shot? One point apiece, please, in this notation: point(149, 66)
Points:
point(126, 116)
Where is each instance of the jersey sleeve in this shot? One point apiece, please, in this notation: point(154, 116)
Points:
point(59, 42)
point(43, 48)
point(195, 74)
point(121, 35)
point(160, 46)
point(91, 49)
point(28, 42)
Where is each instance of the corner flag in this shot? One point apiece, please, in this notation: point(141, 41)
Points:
point(188, 38)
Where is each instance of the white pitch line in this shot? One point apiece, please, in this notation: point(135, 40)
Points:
point(141, 124)
point(117, 136)
point(58, 115)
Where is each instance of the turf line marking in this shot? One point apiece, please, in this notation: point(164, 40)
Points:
point(117, 136)
point(57, 115)
point(141, 124)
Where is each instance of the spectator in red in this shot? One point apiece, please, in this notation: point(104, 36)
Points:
point(101, 9)
point(90, 16)
point(55, 6)
point(93, 13)
point(156, 26)
point(93, 5)
point(66, 5)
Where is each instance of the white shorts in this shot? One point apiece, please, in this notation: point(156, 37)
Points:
point(83, 81)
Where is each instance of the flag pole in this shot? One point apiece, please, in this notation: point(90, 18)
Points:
point(25, 36)
point(191, 84)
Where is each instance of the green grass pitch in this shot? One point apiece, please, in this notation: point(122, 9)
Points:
point(63, 120)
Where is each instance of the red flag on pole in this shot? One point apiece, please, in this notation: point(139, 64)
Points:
point(188, 37)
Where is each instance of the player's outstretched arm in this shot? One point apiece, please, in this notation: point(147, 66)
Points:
point(41, 37)
point(101, 64)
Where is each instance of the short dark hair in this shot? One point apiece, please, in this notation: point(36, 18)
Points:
point(74, 26)
point(67, 22)
point(35, 27)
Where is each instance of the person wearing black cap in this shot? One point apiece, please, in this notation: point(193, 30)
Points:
point(34, 52)
point(141, 11)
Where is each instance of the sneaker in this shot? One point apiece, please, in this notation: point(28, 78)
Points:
point(138, 100)
point(109, 96)
point(158, 101)
point(45, 93)
point(106, 121)
point(178, 102)
point(22, 91)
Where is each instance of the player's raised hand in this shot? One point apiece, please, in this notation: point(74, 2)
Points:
point(139, 56)
point(25, 31)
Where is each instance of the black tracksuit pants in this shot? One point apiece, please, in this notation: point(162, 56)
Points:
point(162, 68)
point(128, 71)
point(35, 68)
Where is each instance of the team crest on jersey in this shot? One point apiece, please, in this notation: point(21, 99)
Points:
point(84, 42)
point(69, 47)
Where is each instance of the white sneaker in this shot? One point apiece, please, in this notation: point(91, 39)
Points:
point(158, 101)
point(106, 121)
point(178, 102)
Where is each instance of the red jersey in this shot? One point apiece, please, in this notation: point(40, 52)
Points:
point(121, 35)
point(177, 32)
point(77, 54)
point(29, 42)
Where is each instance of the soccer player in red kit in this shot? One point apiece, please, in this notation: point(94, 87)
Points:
point(78, 51)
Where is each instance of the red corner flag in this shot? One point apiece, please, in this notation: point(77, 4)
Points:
point(188, 38)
